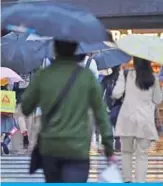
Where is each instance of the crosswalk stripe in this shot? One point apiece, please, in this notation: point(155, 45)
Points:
point(15, 168)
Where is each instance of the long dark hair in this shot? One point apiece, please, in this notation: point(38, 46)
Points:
point(144, 74)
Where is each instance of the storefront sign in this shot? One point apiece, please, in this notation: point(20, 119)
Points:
point(117, 34)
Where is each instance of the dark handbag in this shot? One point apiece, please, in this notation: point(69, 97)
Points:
point(36, 159)
point(114, 114)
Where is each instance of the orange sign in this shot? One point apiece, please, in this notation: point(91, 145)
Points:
point(5, 99)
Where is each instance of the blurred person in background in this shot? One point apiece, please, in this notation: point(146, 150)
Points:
point(161, 78)
point(136, 120)
point(65, 139)
point(8, 126)
point(159, 118)
point(90, 63)
point(114, 105)
point(23, 122)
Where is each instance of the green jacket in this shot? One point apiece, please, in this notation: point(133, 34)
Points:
point(68, 134)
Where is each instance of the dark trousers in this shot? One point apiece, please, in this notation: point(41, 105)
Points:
point(59, 170)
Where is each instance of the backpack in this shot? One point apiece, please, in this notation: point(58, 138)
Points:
point(114, 105)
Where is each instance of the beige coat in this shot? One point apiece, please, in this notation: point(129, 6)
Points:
point(136, 117)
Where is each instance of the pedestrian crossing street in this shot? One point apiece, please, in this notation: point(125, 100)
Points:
point(15, 168)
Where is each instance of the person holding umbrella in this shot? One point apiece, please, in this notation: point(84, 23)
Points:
point(114, 105)
point(64, 140)
point(9, 123)
point(135, 123)
point(108, 63)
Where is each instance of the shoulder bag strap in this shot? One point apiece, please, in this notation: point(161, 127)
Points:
point(88, 63)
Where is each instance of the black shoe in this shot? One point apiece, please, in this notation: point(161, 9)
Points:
point(5, 148)
point(25, 142)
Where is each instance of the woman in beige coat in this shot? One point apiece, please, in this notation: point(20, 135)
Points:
point(136, 123)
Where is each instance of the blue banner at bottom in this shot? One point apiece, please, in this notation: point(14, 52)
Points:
point(78, 184)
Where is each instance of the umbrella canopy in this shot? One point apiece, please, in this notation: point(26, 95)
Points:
point(44, 46)
point(35, 37)
point(23, 56)
point(62, 21)
point(10, 74)
point(111, 58)
point(146, 47)
point(85, 48)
